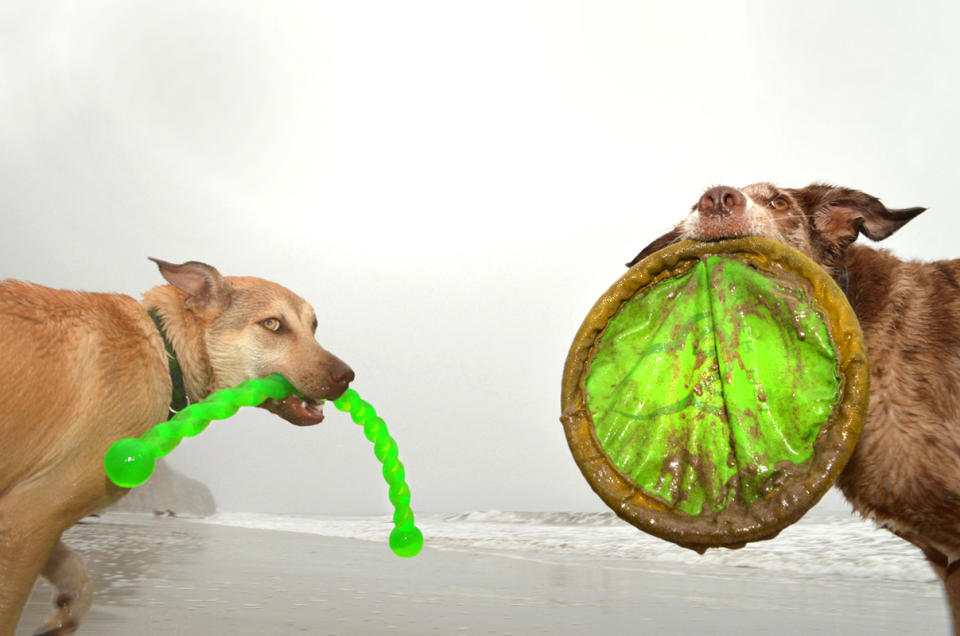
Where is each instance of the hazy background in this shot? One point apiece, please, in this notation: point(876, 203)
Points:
point(450, 184)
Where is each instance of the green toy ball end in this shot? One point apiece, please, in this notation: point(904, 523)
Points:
point(129, 462)
point(406, 541)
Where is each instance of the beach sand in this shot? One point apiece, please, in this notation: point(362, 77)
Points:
point(173, 576)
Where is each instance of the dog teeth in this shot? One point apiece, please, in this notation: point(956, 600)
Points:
point(312, 406)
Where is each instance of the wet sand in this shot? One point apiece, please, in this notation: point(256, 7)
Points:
point(172, 576)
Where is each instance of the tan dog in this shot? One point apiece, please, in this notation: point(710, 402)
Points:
point(79, 371)
point(905, 470)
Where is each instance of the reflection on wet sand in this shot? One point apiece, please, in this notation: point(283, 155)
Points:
point(159, 575)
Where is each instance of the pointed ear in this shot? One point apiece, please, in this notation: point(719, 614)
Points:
point(879, 226)
point(842, 218)
point(202, 283)
point(669, 238)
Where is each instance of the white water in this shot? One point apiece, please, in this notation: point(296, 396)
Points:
point(819, 545)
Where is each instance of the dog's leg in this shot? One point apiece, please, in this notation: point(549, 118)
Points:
point(949, 573)
point(26, 542)
point(66, 572)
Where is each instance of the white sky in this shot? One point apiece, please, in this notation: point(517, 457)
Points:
point(450, 184)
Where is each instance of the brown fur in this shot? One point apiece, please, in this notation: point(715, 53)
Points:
point(905, 470)
point(79, 371)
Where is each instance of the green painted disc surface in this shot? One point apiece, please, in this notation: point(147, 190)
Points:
point(708, 386)
point(714, 393)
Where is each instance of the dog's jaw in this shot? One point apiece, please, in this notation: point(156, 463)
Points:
point(305, 407)
point(296, 410)
point(702, 228)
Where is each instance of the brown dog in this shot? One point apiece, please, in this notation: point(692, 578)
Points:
point(905, 470)
point(79, 371)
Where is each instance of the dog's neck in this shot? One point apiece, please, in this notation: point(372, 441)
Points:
point(186, 334)
point(178, 398)
point(870, 282)
point(843, 279)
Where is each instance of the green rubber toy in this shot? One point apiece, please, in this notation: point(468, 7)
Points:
point(130, 462)
point(405, 539)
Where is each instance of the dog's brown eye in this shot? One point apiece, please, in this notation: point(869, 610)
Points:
point(272, 324)
point(779, 204)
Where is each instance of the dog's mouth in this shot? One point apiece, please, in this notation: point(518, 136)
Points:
point(710, 230)
point(296, 410)
point(721, 236)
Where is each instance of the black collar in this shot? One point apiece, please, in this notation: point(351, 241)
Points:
point(178, 398)
point(843, 279)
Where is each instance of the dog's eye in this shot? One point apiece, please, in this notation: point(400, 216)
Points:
point(779, 204)
point(271, 324)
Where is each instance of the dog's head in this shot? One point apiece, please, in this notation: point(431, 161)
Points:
point(819, 220)
point(244, 328)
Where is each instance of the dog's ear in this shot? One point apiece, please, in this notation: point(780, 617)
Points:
point(884, 223)
point(841, 214)
point(202, 283)
point(667, 239)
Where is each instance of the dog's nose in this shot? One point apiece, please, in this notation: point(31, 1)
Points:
point(342, 376)
point(721, 201)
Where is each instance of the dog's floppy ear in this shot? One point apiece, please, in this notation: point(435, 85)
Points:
point(202, 283)
point(841, 214)
point(660, 243)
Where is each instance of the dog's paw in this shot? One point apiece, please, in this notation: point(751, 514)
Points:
point(67, 627)
point(60, 622)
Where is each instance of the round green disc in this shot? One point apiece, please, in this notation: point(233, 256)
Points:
point(706, 398)
point(708, 387)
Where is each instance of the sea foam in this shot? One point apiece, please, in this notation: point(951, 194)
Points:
point(816, 546)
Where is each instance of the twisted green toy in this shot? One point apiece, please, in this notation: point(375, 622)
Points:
point(130, 462)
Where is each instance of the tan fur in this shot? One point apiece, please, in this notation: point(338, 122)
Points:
point(905, 469)
point(79, 371)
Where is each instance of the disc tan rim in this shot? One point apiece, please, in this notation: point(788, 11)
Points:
point(737, 524)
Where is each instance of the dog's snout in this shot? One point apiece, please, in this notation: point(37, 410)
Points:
point(721, 201)
point(342, 375)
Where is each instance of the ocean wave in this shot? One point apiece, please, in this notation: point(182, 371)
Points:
point(814, 547)
point(537, 518)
